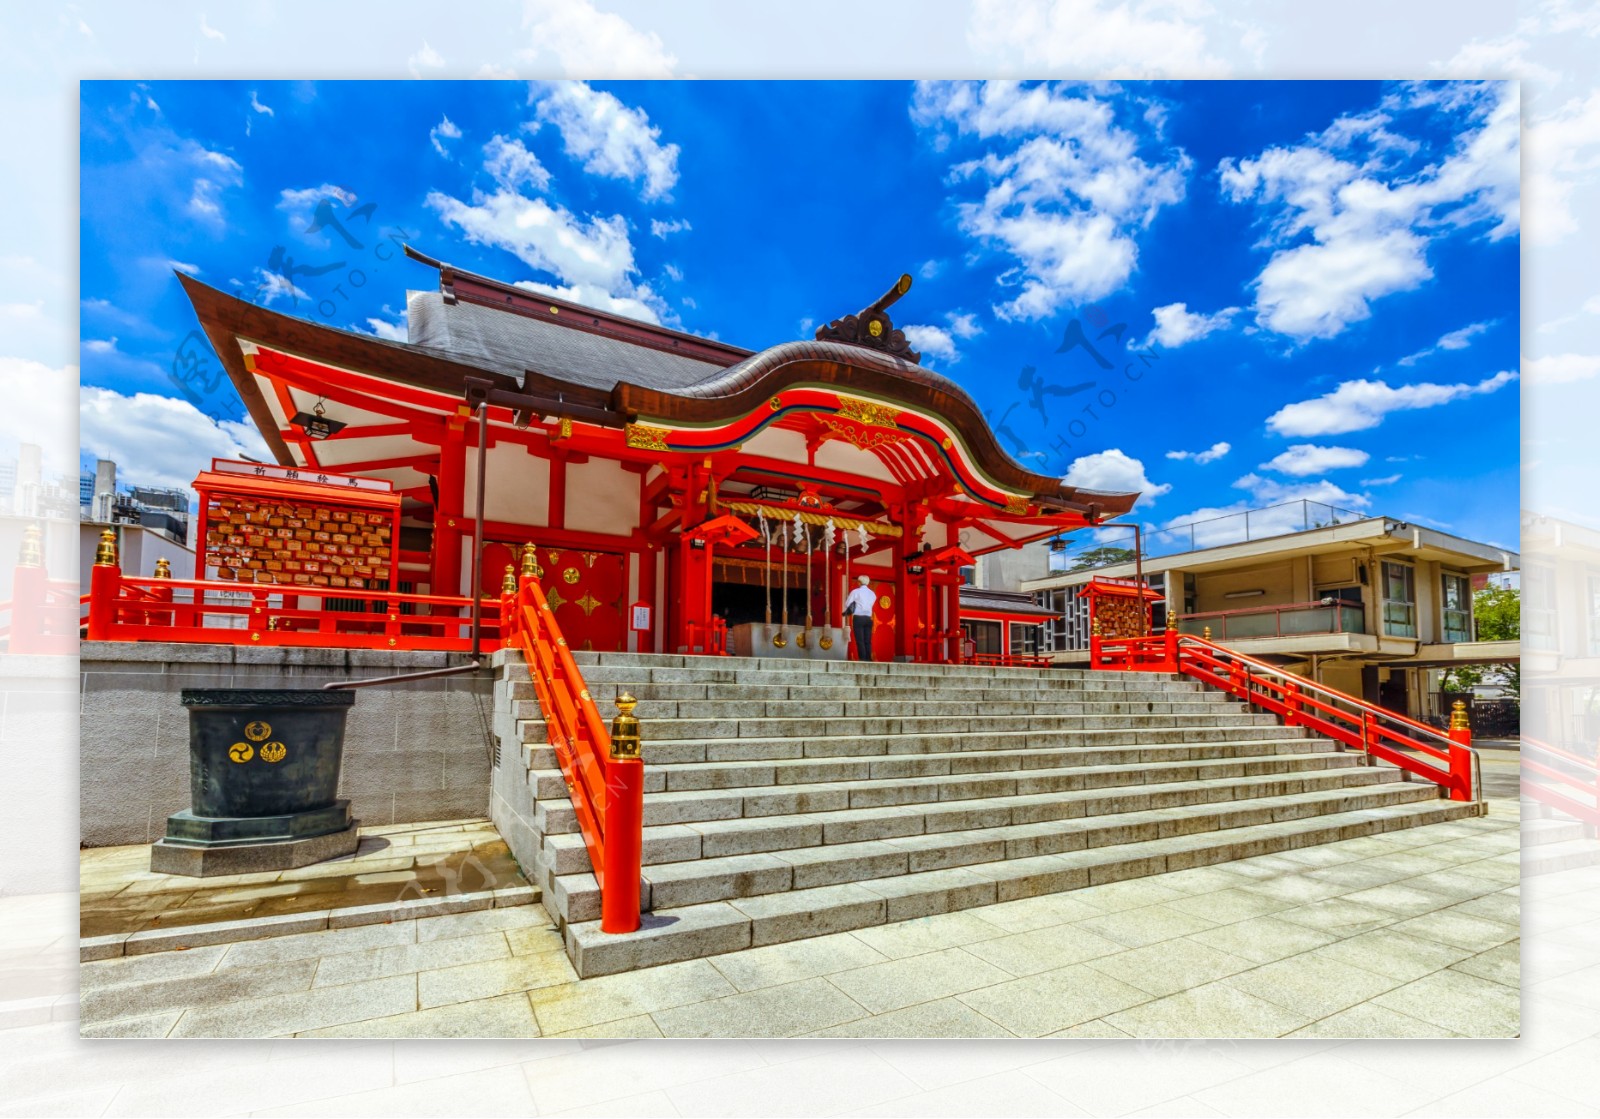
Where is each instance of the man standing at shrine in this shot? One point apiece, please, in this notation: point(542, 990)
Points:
point(858, 608)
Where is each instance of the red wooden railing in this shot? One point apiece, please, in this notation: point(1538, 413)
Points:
point(1006, 660)
point(42, 616)
point(216, 612)
point(1557, 765)
point(607, 790)
point(1446, 760)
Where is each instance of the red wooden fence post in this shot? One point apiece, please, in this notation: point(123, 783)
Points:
point(624, 823)
point(30, 586)
point(105, 586)
point(1172, 640)
point(1291, 703)
point(1460, 752)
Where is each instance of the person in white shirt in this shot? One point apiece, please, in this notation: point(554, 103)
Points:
point(858, 608)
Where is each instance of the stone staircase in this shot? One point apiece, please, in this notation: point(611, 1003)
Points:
point(1552, 841)
point(785, 800)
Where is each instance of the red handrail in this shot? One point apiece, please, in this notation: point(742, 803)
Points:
point(1303, 702)
point(1586, 813)
point(607, 791)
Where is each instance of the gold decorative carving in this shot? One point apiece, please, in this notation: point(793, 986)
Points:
point(1017, 506)
point(643, 437)
point(867, 412)
point(864, 439)
point(571, 575)
point(774, 404)
point(555, 600)
point(241, 752)
point(274, 752)
point(587, 603)
point(258, 731)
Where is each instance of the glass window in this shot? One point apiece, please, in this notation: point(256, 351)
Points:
point(1457, 616)
point(1024, 639)
point(1399, 600)
point(985, 636)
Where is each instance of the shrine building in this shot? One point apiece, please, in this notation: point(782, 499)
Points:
point(681, 494)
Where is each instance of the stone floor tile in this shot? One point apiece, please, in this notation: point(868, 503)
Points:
point(640, 1025)
point(503, 1016)
point(401, 959)
point(1042, 1004)
point(1210, 1010)
point(1097, 1029)
point(1394, 954)
point(1468, 1005)
point(1262, 939)
point(1368, 1019)
point(928, 934)
point(776, 964)
point(252, 953)
point(607, 998)
point(1132, 894)
point(1338, 917)
point(1027, 914)
point(941, 1018)
point(1404, 898)
point(472, 981)
point(309, 1010)
point(1499, 906)
point(148, 1025)
point(534, 939)
point(1145, 925)
point(1459, 929)
point(103, 1004)
point(1045, 949)
point(504, 919)
point(785, 1011)
point(924, 978)
point(1502, 964)
point(1311, 984)
point(1224, 907)
point(150, 967)
point(1170, 966)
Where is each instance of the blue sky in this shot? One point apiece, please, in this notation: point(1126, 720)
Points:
point(1325, 273)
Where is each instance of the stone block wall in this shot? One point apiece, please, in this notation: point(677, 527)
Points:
point(413, 751)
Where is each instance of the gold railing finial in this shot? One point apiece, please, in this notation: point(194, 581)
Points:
point(625, 744)
point(1207, 634)
point(530, 561)
point(508, 585)
point(1458, 716)
point(1095, 628)
point(163, 569)
point(105, 552)
point(32, 554)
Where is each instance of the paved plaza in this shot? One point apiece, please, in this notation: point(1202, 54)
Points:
point(1413, 933)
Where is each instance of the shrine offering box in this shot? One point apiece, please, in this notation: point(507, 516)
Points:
point(297, 529)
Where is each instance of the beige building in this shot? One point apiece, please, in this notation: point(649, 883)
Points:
point(1375, 607)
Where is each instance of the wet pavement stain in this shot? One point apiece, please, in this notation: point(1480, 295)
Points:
point(119, 894)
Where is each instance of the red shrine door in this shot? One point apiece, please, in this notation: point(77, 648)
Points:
point(883, 621)
point(585, 590)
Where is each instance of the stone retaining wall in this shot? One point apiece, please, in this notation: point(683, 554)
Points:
point(415, 751)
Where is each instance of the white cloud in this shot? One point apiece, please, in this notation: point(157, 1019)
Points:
point(270, 286)
point(1114, 472)
point(211, 32)
point(1127, 39)
point(1210, 454)
point(1358, 405)
point(1176, 324)
point(160, 440)
point(301, 203)
point(1561, 369)
point(930, 269)
point(213, 172)
point(663, 229)
point(512, 165)
point(594, 251)
point(1064, 188)
point(446, 129)
point(1351, 211)
point(933, 341)
point(424, 59)
point(393, 330)
point(1386, 480)
point(1308, 458)
point(184, 266)
point(673, 272)
point(1452, 340)
point(255, 103)
point(606, 136)
point(1561, 155)
point(593, 44)
point(100, 345)
point(963, 325)
point(1274, 508)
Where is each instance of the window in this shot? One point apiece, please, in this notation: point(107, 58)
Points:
point(1024, 639)
point(1457, 614)
point(1594, 614)
point(1539, 607)
point(1399, 600)
point(985, 636)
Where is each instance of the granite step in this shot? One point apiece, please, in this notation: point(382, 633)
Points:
point(670, 935)
point(690, 776)
point(651, 709)
point(564, 853)
point(576, 896)
point(557, 816)
point(1059, 692)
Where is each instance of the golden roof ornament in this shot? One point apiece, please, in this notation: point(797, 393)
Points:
point(872, 328)
point(105, 552)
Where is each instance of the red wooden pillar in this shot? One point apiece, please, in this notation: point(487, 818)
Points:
point(447, 515)
point(1460, 753)
point(693, 593)
point(910, 624)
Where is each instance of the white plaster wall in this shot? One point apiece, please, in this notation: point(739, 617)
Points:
point(602, 497)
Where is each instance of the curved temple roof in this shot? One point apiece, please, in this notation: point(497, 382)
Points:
point(537, 343)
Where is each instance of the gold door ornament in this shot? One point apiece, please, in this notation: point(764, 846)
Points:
point(258, 731)
point(273, 752)
point(241, 752)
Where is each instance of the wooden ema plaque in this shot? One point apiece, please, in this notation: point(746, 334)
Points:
point(297, 528)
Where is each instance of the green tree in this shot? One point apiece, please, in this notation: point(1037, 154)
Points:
point(1105, 556)
point(1497, 616)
